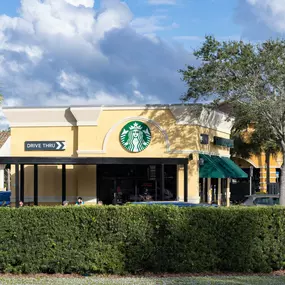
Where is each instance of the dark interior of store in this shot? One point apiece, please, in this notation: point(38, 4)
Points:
point(119, 184)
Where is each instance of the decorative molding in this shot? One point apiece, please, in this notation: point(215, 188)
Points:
point(187, 151)
point(197, 115)
point(90, 151)
point(39, 117)
point(221, 130)
point(251, 162)
point(247, 160)
point(86, 116)
point(87, 123)
point(32, 109)
point(39, 124)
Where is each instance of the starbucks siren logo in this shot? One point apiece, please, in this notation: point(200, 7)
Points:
point(135, 136)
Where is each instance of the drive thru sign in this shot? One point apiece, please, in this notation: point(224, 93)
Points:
point(44, 145)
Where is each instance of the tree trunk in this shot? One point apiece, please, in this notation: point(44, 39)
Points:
point(282, 182)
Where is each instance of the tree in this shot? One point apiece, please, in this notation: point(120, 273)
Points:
point(253, 139)
point(251, 79)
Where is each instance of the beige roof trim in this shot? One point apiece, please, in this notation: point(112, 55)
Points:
point(39, 117)
point(199, 116)
point(89, 116)
point(86, 116)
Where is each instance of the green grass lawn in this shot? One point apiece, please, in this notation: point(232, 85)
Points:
point(229, 280)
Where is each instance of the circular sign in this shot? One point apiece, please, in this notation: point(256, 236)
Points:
point(135, 136)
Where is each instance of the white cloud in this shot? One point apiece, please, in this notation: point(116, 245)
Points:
point(162, 2)
point(261, 19)
point(61, 52)
point(152, 24)
point(72, 81)
point(86, 3)
point(271, 12)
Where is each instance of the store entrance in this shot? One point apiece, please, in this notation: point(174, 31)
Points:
point(119, 184)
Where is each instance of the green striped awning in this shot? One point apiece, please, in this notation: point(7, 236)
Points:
point(212, 166)
point(208, 168)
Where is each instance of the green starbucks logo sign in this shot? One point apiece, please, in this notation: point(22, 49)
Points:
point(135, 136)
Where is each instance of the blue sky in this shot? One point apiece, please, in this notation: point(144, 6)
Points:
point(63, 52)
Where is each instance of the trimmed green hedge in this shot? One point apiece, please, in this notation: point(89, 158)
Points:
point(109, 239)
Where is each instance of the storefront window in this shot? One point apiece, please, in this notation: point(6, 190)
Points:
point(119, 184)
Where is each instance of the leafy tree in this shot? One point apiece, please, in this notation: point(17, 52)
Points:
point(253, 139)
point(251, 79)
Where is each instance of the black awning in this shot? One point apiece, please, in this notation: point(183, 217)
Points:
point(40, 160)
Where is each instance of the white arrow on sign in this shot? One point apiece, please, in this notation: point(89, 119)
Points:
point(60, 145)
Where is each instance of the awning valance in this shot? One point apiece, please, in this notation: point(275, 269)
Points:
point(219, 167)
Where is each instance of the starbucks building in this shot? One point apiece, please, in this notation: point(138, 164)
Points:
point(119, 154)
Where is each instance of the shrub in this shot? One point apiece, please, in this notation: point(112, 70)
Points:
point(133, 239)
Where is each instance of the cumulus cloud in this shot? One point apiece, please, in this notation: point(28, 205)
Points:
point(152, 24)
point(65, 52)
point(261, 19)
point(85, 3)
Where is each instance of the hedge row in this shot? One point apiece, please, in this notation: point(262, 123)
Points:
point(110, 239)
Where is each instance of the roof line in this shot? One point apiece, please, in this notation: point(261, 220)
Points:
point(90, 106)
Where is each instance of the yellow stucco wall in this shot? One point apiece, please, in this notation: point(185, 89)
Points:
point(20, 135)
point(105, 136)
point(259, 161)
point(103, 140)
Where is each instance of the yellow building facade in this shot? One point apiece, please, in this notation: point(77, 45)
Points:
point(97, 152)
point(258, 162)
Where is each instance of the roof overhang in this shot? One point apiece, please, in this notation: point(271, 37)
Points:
point(184, 114)
point(34, 160)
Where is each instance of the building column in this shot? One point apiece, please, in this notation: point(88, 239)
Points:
point(193, 179)
point(186, 182)
point(263, 176)
point(36, 186)
point(9, 178)
point(17, 186)
point(2, 177)
point(63, 183)
point(219, 191)
point(204, 191)
point(180, 183)
point(228, 193)
point(209, 190)
point(22, 183)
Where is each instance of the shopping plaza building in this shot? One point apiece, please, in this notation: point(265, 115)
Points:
point(119, 154)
